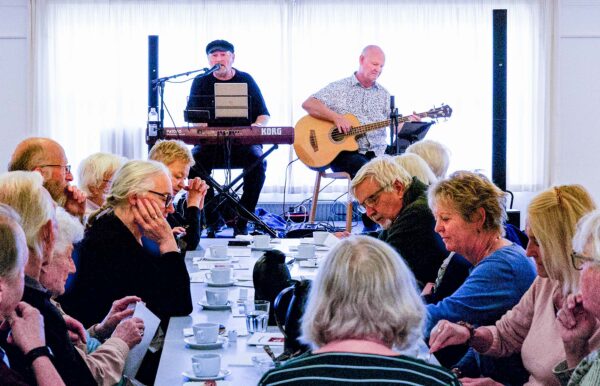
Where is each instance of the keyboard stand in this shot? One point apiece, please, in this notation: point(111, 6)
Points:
point(225, 192)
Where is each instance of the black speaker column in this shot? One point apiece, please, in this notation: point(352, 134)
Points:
point(499, 100)
point(152, 71)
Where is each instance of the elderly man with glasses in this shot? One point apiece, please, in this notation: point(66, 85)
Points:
point(47, 157)
point(397, 202)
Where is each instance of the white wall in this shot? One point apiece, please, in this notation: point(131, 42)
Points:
point(575, 140)
point(14, 76)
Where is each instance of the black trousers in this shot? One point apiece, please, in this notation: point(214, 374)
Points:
point(209, 157)
point(350, 162)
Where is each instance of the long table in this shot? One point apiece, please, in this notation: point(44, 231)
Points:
point(236, 356)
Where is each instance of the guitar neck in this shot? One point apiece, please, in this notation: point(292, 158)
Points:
point(378, 125)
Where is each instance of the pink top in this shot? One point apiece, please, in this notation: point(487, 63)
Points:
point(530, 328)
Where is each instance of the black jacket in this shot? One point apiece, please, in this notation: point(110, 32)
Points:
point(112, 264)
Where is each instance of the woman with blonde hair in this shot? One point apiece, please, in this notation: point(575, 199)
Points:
point(469, 211)
point(362, 304)
point(529, 327)
point(185, 221)
point(112, 260)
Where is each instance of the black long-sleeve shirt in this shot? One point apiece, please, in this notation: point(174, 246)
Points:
point(112, 264)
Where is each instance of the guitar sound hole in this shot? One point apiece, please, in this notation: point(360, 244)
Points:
point(337, 135)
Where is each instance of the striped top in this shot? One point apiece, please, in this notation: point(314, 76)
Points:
point(339, 368)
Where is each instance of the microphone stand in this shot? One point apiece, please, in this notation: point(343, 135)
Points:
point(394, 125)
point(160, 83)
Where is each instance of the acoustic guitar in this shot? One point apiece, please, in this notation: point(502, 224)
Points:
point(317, 142)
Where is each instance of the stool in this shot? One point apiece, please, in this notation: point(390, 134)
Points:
point(337, 176)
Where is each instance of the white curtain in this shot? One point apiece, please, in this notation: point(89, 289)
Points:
point(90, 69)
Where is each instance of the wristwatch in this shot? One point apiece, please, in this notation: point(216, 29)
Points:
point(42, 351)
point(469, 327)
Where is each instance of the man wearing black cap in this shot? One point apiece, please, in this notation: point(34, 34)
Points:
point(209, 156)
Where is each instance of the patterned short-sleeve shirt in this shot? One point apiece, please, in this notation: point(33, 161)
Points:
point(367, 104)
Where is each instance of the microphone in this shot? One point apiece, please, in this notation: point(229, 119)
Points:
point(212, 69)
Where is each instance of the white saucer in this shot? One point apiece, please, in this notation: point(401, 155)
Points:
point(215, 307)
point(190, 375)
point(211, 284)
point(261, 249)
point(213, 258)
point(305, 264)
point(191, 342)
point(318, 247)
point(299, 259)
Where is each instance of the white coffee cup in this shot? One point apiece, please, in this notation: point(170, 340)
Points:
point(218, 251)
point(216, 297)
point(205, 333)
point(219, 275)
point(319, 237)
point(261, 241)
point(306, 251)
point(206, 365)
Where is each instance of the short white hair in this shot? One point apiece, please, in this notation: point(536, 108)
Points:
point(70, 230)
point(588, 235)
point(416, 167)
point(434, 153)
point(94, 169)
point(363, 290)
point(25, 193)
point(13, 247)
point(383, 170)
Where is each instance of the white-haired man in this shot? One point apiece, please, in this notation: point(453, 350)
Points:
point(397, 202)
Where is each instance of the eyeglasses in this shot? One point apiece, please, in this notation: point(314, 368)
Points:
point(167, 196)
point(371, 200)
point(579, 260)
point(67, 167)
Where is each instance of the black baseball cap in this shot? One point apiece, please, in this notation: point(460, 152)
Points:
point(219, 45)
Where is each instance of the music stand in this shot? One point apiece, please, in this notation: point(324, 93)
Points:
point(410, 133)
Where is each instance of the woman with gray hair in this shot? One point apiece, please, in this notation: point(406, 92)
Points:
point(362, 304)
point(113, 262)
point(577, 320)
point(416, 167)
point(434, 153)
point(95, 178)
point(107, 360)
point(24, 192)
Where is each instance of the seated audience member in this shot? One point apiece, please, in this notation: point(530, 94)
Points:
point(455, 268)
point(95, 177)
point(25, 322)
point(47, 157)
point(23, 191)
point(577, 321)
point(107, 361)
point(529, 327)
point(397, 202)
point(112, 261)
point(434, 153)
point(416, 167)
point(362, 304)
point(470, 213)
point(185, 221)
